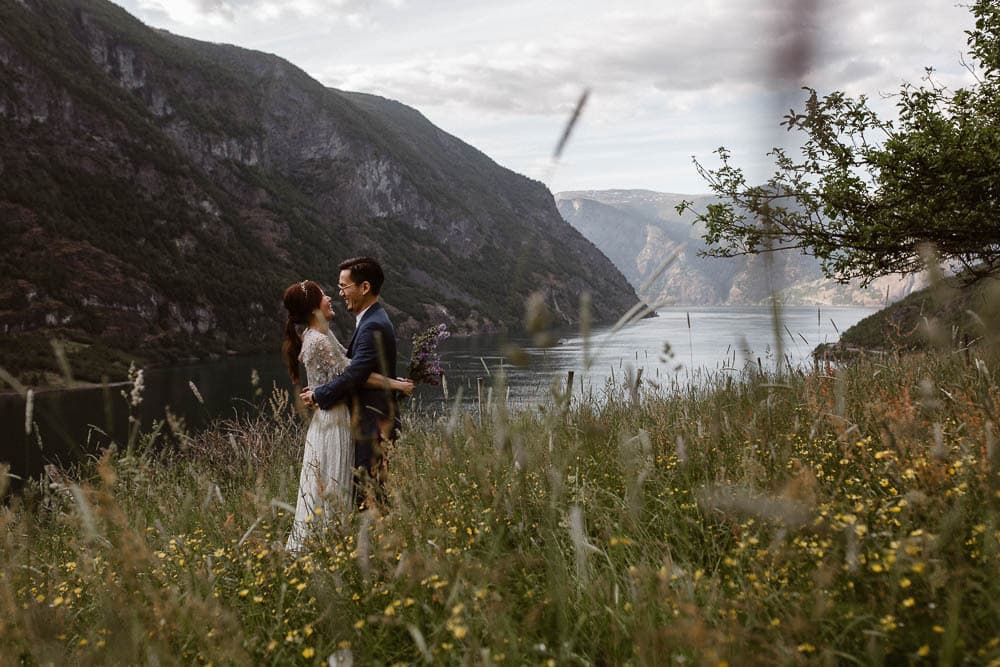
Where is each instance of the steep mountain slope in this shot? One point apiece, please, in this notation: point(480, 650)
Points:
point(640, 229)
point(157, 194)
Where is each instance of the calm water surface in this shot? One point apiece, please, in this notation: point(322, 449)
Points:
point(706, 340)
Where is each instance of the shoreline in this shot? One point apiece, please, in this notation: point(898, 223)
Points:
point(9, 392)
point(80, 385)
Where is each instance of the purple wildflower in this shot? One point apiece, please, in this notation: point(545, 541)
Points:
point(425, 362)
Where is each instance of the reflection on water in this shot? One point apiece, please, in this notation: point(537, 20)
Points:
point(71, 424)
point(68, 425)
point(682, 344)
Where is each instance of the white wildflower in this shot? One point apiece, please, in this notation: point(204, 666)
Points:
point(29, 409)
point(138, 385)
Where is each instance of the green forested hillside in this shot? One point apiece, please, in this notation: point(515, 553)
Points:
point(951, 313)
point(158, 193)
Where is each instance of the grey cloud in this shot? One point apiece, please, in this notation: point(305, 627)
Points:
point(686, 48)
point(220, 8)
point(234, 11)
point(856, 69)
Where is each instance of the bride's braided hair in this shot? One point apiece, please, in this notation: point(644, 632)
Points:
point(301, 300)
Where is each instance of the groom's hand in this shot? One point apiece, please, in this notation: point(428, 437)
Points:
point(307, 398)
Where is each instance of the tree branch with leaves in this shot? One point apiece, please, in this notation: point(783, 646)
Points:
point(864, 194)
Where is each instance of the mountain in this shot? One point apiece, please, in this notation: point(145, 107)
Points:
point(158, 193)
point(639, 230)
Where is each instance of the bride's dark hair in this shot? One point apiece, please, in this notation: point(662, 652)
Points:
point(300, 299)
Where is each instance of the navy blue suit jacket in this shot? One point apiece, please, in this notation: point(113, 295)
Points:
point(372, 350)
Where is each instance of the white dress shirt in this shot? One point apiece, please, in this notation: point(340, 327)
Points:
point(357, 319)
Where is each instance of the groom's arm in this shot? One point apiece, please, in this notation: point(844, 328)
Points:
point(364, 362)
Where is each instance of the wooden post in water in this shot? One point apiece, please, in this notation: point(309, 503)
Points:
point(634, 389)
point(567, 398)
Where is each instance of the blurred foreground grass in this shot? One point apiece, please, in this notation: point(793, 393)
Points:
point(844, 516)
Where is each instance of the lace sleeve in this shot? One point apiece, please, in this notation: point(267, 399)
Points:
point(322, 356)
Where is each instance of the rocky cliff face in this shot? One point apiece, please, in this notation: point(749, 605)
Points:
point(640, 230)
point(158, 193)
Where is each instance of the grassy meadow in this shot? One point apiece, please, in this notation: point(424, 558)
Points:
point(843, 516)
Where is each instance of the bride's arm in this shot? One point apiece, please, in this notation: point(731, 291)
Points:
point(379, 381)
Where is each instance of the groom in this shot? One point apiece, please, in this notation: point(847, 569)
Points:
point(374, 415)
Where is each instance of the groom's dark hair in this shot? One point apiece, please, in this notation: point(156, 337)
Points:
point(365, 268)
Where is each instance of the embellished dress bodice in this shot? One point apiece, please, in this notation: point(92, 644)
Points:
point(323, 357)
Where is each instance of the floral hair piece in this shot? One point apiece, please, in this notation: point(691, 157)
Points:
point(303, 286)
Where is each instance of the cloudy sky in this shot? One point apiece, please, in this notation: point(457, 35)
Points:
point(669, 79)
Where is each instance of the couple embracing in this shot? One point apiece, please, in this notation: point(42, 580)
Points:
point(354, 389)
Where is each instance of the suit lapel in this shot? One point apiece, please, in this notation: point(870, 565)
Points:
point(369, 312)
point(350, 346)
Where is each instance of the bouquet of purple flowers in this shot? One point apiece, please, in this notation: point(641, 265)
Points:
point(425, 362)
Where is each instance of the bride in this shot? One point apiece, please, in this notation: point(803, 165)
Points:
point(325, 481)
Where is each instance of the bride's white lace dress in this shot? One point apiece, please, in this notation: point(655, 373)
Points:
point(325, 481)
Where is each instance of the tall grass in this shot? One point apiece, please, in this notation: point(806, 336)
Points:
point(843, 516)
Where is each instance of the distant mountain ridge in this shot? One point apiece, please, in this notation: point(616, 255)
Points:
point(640, 229)
point(157, 193)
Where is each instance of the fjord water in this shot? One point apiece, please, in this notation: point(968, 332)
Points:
point(682, 344)
point(71, 424)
